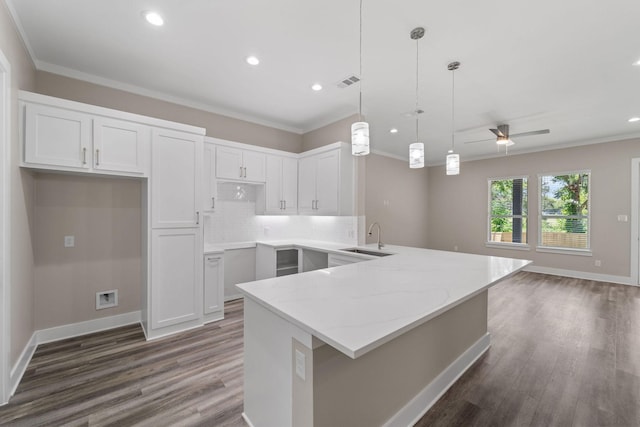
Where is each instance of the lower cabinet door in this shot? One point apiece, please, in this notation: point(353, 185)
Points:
point(213, 284)
point(176, 276)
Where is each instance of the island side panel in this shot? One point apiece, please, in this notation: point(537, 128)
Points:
point(377, 387)
point(267, 366)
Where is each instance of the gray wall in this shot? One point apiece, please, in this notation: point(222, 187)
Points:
point(396, 197)
point(458, 205)
point(217, 126)
point(21, 194)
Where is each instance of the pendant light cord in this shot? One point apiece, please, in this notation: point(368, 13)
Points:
point(360, 85)
point(453, 105)
point(417, 88)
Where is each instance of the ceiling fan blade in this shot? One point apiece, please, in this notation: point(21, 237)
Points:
point(533, 132)
point(497, 132)
point(479, 140)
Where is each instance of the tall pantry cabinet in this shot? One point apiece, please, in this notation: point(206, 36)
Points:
point(176, 266)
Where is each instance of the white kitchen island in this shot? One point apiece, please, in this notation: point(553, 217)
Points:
point(365, 344)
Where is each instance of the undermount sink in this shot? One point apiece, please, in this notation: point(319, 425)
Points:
point(365, 252)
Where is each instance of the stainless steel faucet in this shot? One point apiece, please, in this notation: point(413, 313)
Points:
point(380, 244)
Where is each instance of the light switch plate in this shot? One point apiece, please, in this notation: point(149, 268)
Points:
point(69, 241)
point(623, 218)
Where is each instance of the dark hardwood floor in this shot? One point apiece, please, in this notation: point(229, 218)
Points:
point(565, 352)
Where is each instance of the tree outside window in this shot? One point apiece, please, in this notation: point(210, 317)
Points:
point(508, 210)
point(564, 210)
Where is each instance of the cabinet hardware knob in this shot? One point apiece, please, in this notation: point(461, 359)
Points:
point(245, 172)
point(284, 203)
point(97, 157)
point(84, 155)
point(197, 217)
point(213, 203)
point(240, 171)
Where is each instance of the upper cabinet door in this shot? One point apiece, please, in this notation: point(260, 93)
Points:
point(273, 185)
point(254, 166)
point(176, 179)
point(327, 185)
point(119, 146)
point(290, 185)
point(240, 165)
point(210, 187)
point(229, 163)
point(57, 137)
point(307, 184)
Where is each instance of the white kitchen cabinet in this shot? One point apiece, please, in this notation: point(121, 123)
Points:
point(281, 187)
point(176, 179)
point(240, 165)
point(56, 137)
point(119, 146)
point(176, 277)
point(319, 192)
point(213, 287)
point(209, 182)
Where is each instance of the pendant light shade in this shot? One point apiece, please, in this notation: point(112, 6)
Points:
point(453, 163)
point(416, 155)
point(360, 129)
point(360, 138)
point(453, 159)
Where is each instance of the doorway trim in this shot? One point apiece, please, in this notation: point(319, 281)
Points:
point(5, 152)
point(635, 219)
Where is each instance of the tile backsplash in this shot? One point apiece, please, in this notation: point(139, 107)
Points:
point(235, 220)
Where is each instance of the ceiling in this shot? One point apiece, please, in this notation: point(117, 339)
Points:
point(564, 65)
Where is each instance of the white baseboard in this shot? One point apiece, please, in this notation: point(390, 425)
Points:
point(423, 401)
point(88, 327)
point(246, 419)
point(622, 280)
point(20, 367)
point(62, 332)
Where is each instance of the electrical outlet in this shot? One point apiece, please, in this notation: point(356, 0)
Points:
point(598, 263)
point(69, 241)
point(455, 248)
point(623, 218)
point(265, 231)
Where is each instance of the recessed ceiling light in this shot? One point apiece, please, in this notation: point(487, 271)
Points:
point(252, 60)
point(153, 18)
point(393, 130)
point(634, 119)
point(316, 86)
point(637, 62)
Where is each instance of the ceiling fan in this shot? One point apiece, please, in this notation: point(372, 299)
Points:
point(504, 138)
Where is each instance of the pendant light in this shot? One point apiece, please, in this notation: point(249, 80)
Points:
point(453, 159)
point(360, 129)
point(416, 149)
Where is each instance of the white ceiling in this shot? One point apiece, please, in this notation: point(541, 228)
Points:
point(565, 65)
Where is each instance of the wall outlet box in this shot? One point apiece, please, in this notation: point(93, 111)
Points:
point(623, 218)
point(106, 299)
point(69, 241)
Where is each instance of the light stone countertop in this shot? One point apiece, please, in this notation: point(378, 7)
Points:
point(358, 307)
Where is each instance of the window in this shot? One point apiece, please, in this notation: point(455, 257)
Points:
point(564, 211)
point(508, 210)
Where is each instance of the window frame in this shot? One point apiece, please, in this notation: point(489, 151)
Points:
point(507, 245)
point(559, 249)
